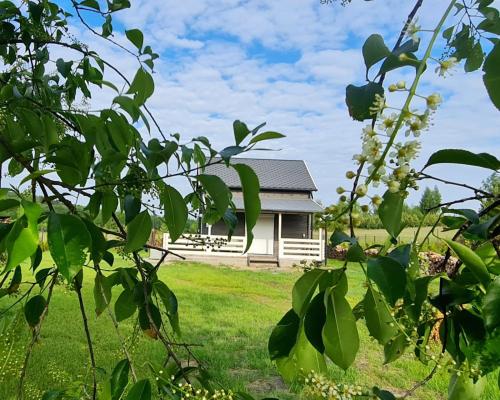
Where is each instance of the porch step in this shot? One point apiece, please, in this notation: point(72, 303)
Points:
point(263, 260)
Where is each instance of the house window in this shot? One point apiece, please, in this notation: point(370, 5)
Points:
point(220, 227)
point(295, 226)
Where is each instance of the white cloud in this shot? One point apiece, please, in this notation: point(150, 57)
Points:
point(210, 74)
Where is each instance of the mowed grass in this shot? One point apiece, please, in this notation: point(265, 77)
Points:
point(372, 236)
point(228, 312)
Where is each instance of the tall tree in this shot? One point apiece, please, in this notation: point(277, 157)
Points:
point(431, 198)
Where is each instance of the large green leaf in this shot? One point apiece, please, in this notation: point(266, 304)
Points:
point(458, 156)
point(142, 86)
point(395, 348)
point(251, 201)
point(378, 319)
point(314, 320)
point(359, 99)
point(471, 260)
point(169, 300)
point(138, 232)
point(391, 211)
point(109, 204)
point(176, 212)
point(217, 190)
point(266, 136)
point(102, 293)
point(491, 305)
point(340, 335)
point(119, 379)
point(33, 310)
point(374, 50)
point(284, 336)
point(303, 358)
point(390, 277)
point(140, 391)
point(125, 306)
point(491, 77)
point(241, 131)
point(304, 289)
point(136, 37)
point(22, 240)
point(68, 238)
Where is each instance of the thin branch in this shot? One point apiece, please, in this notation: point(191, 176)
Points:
point(90, 347)
point(476, 190)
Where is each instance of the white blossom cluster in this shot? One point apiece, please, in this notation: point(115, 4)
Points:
point(188, 392)
point(317, 386)
point(395, 169)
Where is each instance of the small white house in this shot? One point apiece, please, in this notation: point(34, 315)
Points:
point(283, 234)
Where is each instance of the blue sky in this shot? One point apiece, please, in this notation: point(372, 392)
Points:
point(287, 63)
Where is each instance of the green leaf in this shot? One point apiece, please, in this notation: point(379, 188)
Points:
point(217, 190)
point(140, 391)
point(390, 277)
point(142, 86)
point(475, 58)
point(132, 207)
point(374, 50)
point(304, 289)
point(241, 131)
point(144, 321)
point(22, 239)
point(138, 232)
point(284, 336)
point(393, 62)
point(129, 106)
point(68, 238)
point(303, 358)
point(266, 136)
point(379, 322)
point(102, 293)
point(169, 300)
point(395, 348)
point(176, 212)
point(491, 77)
point(36, 174)
point(314, 320)
point(136, 37)
point(33, 310)
point(125, 306)
point(471, 260)
point(491, 305)
point(359, 99)
point(339, 237)
point(340, 335)
point(251, 200)
point(119, 379)
point(355, 253)
point(109, 204)
point(7, 204)
point(391, 211)
point(458, 156)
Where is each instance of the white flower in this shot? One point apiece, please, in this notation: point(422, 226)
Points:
point(393, 186)
point(377, 200)
point(446, 66)
point(412, 29)
point(368, 131)
point(361, 190)
point(415, 126)
point(433, 101)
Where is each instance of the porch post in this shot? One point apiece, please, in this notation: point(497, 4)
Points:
point(280, 220)
point(209, 228)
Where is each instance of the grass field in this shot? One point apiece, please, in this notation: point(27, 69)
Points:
point(229, 312)
point(371, 236)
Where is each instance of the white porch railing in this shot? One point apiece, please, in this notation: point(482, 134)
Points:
point(304, 249)
point(213, 245)
point(205, 245)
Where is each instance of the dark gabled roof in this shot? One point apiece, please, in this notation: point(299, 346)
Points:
point(283, 205)
point(283, 175)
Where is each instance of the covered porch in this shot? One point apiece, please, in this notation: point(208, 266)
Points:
point(283, 235)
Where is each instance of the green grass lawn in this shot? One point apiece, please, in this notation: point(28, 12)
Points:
point(228, 312)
